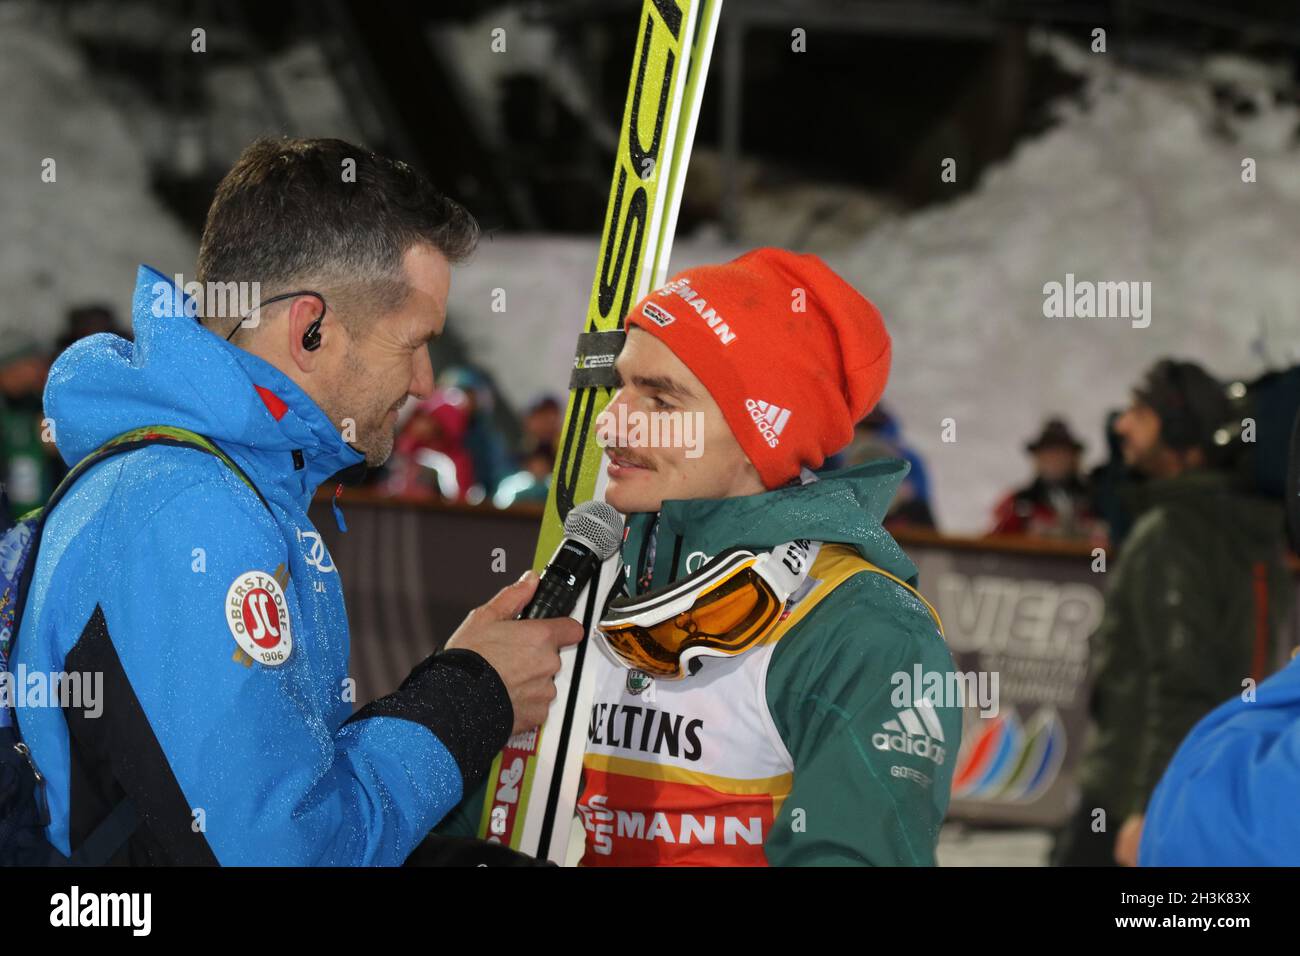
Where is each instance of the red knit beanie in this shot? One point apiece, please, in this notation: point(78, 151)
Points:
point(793, 355)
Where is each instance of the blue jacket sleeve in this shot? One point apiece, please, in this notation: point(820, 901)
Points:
point(1228, 797)
point(272, 767)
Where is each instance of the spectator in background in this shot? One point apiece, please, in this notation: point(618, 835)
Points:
point(482, 438)
point(543, 423)
point(1057, 502)
point(430, 459)
point(532, 483)
point(27, 462)
point(84, 320)
point(1228, 796)
point(1111, 484)
point(1193, 607)
point(880, 436)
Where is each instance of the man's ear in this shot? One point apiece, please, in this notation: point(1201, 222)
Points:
point(303, 311)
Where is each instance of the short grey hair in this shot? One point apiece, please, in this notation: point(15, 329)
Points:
point(286, 217)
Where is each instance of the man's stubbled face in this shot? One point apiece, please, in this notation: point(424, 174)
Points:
point(390, 361)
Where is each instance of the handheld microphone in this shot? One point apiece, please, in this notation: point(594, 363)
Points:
point(593, 531)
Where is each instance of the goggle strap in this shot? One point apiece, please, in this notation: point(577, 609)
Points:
point(785, 568)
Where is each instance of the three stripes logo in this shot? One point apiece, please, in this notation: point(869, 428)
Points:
point(769, 418)
point(916, 731)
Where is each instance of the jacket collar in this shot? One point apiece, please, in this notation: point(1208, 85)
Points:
point(176, 372)
point(301, 425)
point(844, 506)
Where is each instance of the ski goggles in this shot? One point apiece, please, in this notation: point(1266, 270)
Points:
point(721, 610)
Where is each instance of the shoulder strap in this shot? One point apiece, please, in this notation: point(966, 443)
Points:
point(138, 438)
point(127, 441)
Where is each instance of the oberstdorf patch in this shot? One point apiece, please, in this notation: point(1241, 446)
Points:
point(258, 616)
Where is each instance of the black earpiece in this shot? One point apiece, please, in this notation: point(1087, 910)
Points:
point(311, 338)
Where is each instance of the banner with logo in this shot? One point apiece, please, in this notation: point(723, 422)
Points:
point(1021, 622)
point(1023, 615)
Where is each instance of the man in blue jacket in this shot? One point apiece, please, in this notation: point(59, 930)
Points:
point(220, 634)
point(1229, 795)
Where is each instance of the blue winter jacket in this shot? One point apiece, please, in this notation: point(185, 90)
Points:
point(219, 626)
point(1229, 796)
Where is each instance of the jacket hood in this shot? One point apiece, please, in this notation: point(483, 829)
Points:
point(845, 506)
point(178, 373)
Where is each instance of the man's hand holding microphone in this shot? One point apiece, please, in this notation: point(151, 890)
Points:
point(521, 630)
point(524, 653)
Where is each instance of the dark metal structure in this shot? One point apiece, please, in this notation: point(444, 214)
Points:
point(886, 85)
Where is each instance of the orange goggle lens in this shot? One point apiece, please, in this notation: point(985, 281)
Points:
point(726, 619)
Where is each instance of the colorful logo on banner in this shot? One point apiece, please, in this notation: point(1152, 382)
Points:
point(1005, 761)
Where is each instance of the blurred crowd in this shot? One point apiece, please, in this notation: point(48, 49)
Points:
point(30, 466)
point(456, 445)
point(1059, 501)
point(463, 444)
point(1238, 431)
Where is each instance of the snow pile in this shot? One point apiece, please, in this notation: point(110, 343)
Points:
point(312, 102)
point(80, 238)
point(1142, 181)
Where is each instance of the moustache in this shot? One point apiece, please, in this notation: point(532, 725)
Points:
point(622, 455)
